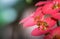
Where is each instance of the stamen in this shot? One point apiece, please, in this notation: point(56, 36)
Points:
point(38, 23)
point(44, 28)
point(44, 24)
point(37, 20)
point(57, 5)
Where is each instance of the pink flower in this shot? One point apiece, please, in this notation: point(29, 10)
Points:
point(37, 18)
point(52, 8)
point(44, 27)
point(30, 20)
point(48, 9)
point(54, 34)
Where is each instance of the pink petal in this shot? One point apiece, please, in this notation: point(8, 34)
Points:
point(38, 12)
point(42, 2)
point(57, 1)
point(56, 31)
point(38, 32)
point(27, 18)
point(56, 15)
point(29, 22)
point(50, 21)
point(47, 8)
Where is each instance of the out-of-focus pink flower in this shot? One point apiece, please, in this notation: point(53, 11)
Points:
point(37, 18)
point(54, 34)
point(30, 20)
point(52, 8)
point(44, 27)
point(54, 12)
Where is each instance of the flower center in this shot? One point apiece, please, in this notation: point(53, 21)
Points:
point(57, 5)
point(56, 37)
point(40, 23)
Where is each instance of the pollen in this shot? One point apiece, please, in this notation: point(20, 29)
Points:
point(44, 24)
point(44, 28)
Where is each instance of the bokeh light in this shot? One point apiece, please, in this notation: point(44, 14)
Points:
point(9, 15)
